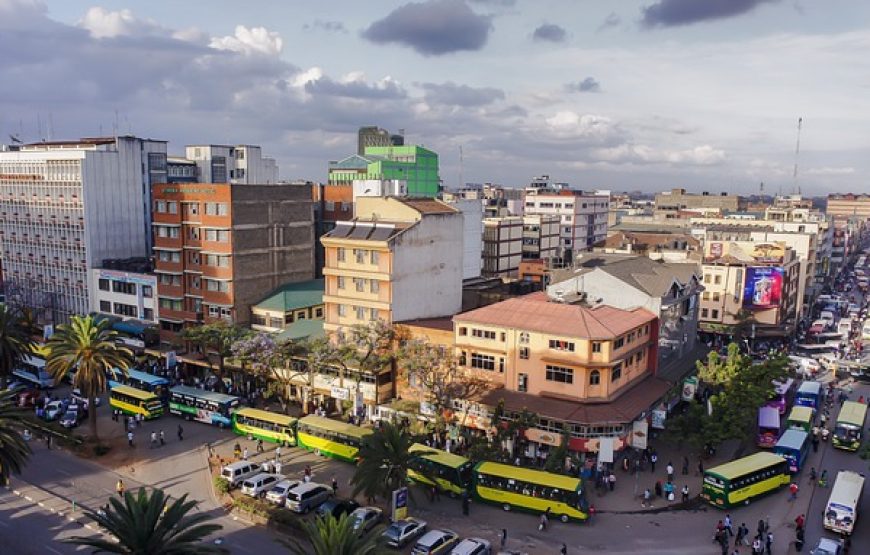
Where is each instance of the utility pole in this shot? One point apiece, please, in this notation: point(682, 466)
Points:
point(795, 189)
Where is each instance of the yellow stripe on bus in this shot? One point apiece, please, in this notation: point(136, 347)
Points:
point(326, 446)
point(538, 504)
point(254, 431)
point(758, 488)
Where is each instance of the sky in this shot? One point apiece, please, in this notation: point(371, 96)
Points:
point(622, 95)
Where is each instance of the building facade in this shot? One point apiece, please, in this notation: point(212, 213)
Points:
point(502, 246)
point(849, 205)
point(125, 294)
point(670, 203)
point(220, 247)
point(583, 217)
point(541, 237)
point(290, 303)
point(415, 165)
point(66, 206)
point(242, 164)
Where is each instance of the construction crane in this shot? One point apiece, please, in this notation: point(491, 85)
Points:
point(795, 189)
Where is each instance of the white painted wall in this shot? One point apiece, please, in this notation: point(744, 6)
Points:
point(138, 299)
point(427, 268)
point(472, 236)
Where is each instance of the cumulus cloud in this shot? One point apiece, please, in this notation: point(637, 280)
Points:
point(354, 85)
point(254, 40)
point(326, 25)
point(612, 20)
point(672, 13)
point(102, 23)
point(831, 171)
point(589, 84)
point(506, 3)
point(704, 155)
point(432, 28)
point(450, 93)
point(550, 32)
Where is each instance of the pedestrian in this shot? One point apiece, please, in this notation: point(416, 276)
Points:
point(119, 487)
point(277, 452)
point(153, 439)
point(768, 543)
point(334, 485)
point(139, 420)
point(237, 451)
point(245, 454)
point(815, 444)
point(800, 521)
point(260, 445)
point(793, 491)
point(564, 549)
point(700, 467)
point(48, 441)
point(306, 474)
point(612, 481)
point(180, 433)
point(658, 488)
point(741, 533)
point(685, 493)
point(670, 471)
point(762, 527)
point(653, 458)
point(756, 546)
point(799, 539)
point(685, 465)
point(503, 537)
point(647, 497)
point(729, 526)
point(130, 438)
point(162, 439)
point(544, 521)
point(466, 504)
point(277, 466)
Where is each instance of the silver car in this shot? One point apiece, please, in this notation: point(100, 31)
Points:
point(278, 493)
point(365, 518)
point(403, 532)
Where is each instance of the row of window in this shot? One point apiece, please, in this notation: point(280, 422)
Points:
point(122, 309)
point(361, 285)
point(707, 313)
point(707, 296)
point(361, 312)
point(360, 256)
point(715, 279)
point(529, 489)
point(194, 257)
point(190, 208)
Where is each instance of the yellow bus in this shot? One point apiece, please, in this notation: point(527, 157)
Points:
point(451, 473)
point(850, 426)
point(135, 401)
point(265, 425)
point(739, 481)
point(800, 418)
point(535, 491)
point(331, 438)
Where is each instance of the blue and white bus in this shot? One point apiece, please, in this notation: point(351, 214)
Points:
point(809, 394)
point(141, 380)
point(32, 370)
point(203, 406)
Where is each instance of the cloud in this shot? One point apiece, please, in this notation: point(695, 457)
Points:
point(672, 13)
point(507, 3)
point(704, 155)
point(612, 20)
point(831, 171)
point(326, 25)
point(354, 86)
point(432, 28)
point(450, 93)
point(549, 32)
point(590, 84)
point(102, 23)
point(254, 40)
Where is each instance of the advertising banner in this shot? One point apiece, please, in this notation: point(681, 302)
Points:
point(763, 287)
point(690, 385)
point(399, 505)
point(658, 419)
point(639, 433)
point(605, 449)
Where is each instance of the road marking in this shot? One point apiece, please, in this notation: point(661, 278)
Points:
point(62, 471)
point(28, 498)
point(6, 524)
point(53, 550)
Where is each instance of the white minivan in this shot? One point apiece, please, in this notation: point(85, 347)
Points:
point(235, 473)
point(842, 509)
point(258, 484)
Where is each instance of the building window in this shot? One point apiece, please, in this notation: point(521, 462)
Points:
point(483, 334)
point(318, 312)
point(147, 291)
point(463, 331)
point(524, 353)
point(170, 304)
point(166, 231)
point(359, 255)
point(503, 337)
point(149, 313)
point(124, 287)
point(560, 345)
point(340, 254)
point(560, 374)
point(359, 284)
point(217, 235)
point(714, 313)
point(360, 312)
point(258, 319)
point(169, 279)
point(619, 343)
point(275, 322)
point(524, 337)
point(216, 209)
point(342, 310)
point(705, 296)
point(172, 207)
point(340, 282)
point(374, 286)
point(717, 280)
point(104, 284)
point(616, 373)
point(215, 285)
point(375, 258)
point(482, 362)
point(596, 346)
point(373, 314)
point(594, 377)
point(122, 309)
point(704, 313)
point(707, 278)
point(501, 365)
point(715, 297)
point(105, 306)
point(522, 382)
point(160, 206)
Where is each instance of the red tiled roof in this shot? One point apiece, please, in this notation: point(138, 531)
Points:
point(625, 408)
point(535, 312)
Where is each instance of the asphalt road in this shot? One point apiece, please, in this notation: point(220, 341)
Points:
point(29, 529)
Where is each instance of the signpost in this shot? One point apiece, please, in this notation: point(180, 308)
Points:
point(400, 504)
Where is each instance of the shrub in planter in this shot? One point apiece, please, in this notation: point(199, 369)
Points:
point(221, 485)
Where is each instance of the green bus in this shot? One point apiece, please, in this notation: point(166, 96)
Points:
point(135, 401)
point(203, 406)
point(265, 425)
point(514, 487)
point(741, 480)
point(800, 418)
point(850, 426)
point(451, 473)
point(331, 438)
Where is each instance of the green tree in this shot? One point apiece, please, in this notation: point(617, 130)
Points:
point(87, 346)
point(330, 536)
point(15, 341)
point(13, 449)
point(144, 524)
point(216, 340)
point(385, 457)
point(720, 371)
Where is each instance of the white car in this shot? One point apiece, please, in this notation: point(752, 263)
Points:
point(472, 546)
point(278, 493)
point(402, 532)
point(259, 484)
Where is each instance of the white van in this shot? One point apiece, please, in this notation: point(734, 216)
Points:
point(805, 366)
point(258, 484)
point(305, 497)
point(236, 472)
point(827, 317)
point(841, 511)
point(844, 328)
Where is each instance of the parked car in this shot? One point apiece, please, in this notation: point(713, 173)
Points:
point(235, 473)
point(258, 484)
point(828, 546)
point(278, 493)
point(403, 532)
point(337, 507)
point(70, 419)
point(434, 542)
point(79, 398)
point(365, 518)
point(472, 546)
point(28, 398)
point(54, 410)
point(307, 496)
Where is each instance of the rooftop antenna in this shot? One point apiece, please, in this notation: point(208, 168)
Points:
point(460, 167)
point(795, 189)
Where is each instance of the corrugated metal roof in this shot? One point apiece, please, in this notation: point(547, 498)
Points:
point(291, 296)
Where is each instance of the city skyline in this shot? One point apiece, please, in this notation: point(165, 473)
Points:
point(651, 95)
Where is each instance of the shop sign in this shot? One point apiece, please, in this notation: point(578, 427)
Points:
point(543, 436)
point(340, 393)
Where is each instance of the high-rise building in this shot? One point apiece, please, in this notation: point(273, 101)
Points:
point(502, 246)
point(583, 217)
point(221, 247)
point(415, 165)
point(242, 164)
point(849, 205)
point(65, 206)
point(540, 237)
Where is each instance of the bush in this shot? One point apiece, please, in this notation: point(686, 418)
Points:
point(251, 505)
point(221, 485)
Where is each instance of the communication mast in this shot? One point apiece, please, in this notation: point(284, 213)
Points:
point(795, 189)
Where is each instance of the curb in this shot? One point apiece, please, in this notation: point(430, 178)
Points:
point(81, 519)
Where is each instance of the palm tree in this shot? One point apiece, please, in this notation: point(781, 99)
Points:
point(15, 341)
point(86, 345)
point(385, 458)
point(13, 449)
point(144, 524)
point(330, 536)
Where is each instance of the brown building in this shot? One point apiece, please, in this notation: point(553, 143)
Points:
point(849, 205)
point(219, 248)
point(670, 203)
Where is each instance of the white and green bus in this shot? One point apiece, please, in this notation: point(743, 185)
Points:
point(203, 406)
point(849, 428)
point(265, 425)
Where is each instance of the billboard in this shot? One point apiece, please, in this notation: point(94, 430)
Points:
point(763, 287)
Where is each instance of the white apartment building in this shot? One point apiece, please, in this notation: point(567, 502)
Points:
point(541, 237)
point(232, 164)
point(472, 235)
point(583, 217)
point(502, 246)
point(65, 206)
point(124, 294)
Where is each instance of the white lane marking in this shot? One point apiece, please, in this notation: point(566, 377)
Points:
point(52, 550)
point(6, 524)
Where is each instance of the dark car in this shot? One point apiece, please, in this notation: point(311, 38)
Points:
point(337, 507)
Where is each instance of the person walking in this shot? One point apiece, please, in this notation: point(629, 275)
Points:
point(729, 525)
point(658, 488)
point(544, 521)
point(793, 491)
point(756, 546)
point(180, 433)
point(119, 488)
point(277, 467)
point(685, 465)
point(670, 471)
point(245, 454)
point(130, 439)
point(653, 459)
point(334, 485)
point(260, 445)
point(153, 440)
point(466, 504)
point(700, 467)
point(162, 439)
point(741, 533)
point(799, 521)
point(563, 550)
point(503, 538)
point(647, 497)
point(611, 480)
point(768, 544)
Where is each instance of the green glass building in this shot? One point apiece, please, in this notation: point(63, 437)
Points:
point(415, 165)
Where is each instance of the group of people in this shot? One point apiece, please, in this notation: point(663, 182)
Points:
point(761, 544)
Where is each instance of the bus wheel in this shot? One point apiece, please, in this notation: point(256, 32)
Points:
point(506, 507)
point(564, 518)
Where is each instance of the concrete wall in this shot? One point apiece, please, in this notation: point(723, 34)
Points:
point(427, 268)
point(472, 236)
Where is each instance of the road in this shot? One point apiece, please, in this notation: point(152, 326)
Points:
point(26, 528)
